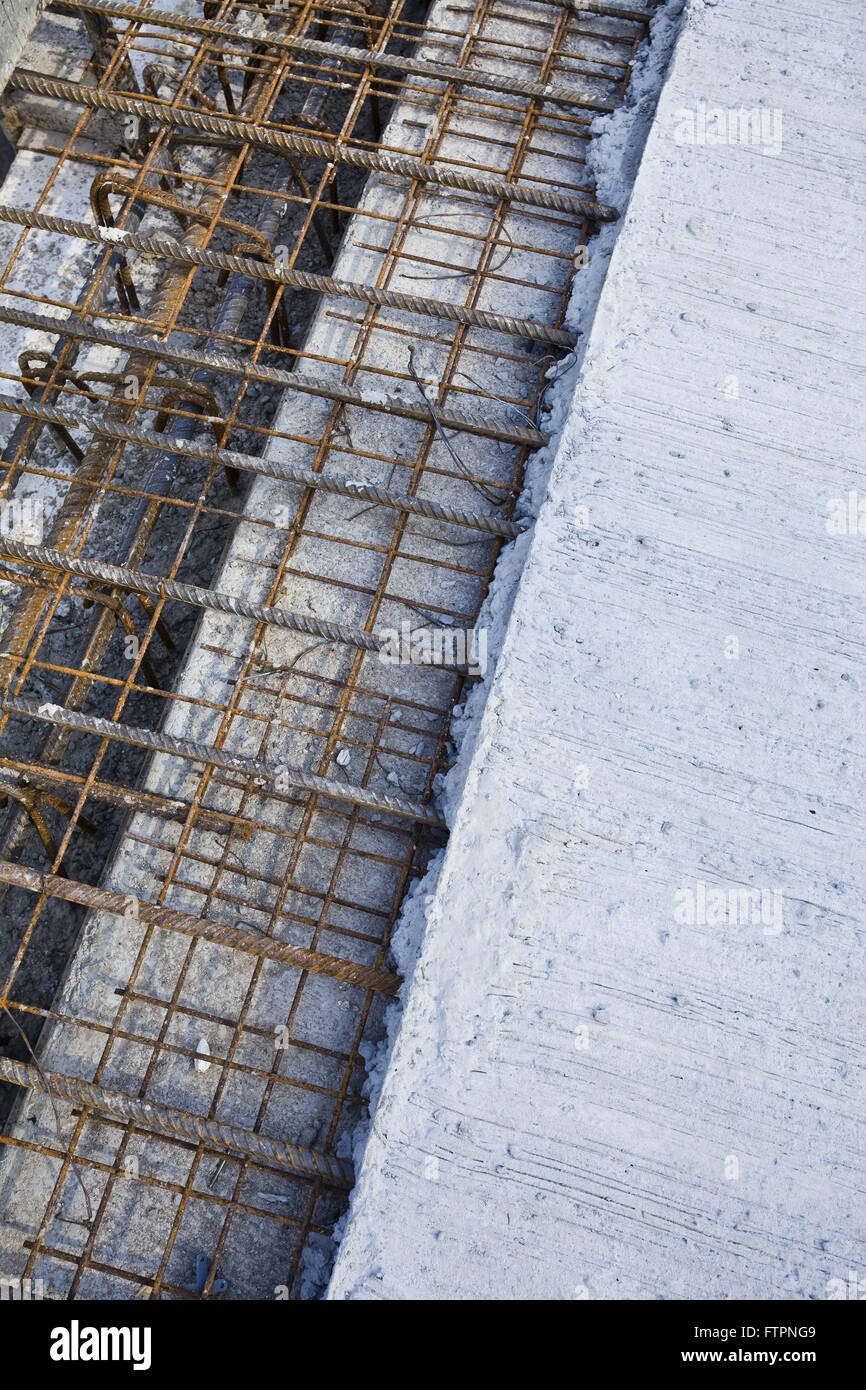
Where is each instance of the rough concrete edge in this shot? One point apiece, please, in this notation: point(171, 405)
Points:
point(591, 306)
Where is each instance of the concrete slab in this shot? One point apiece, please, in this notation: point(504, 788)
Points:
point(630, 1064)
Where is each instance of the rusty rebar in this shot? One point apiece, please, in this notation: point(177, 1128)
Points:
point(269, 468)
point(124, 798)
point(272, 773)
point(332, 151)
point(402, 63)
point(139, 581)
point(599, 7)
point(19, 629)
point(465, 420)
point(166, 248)
point(213, 600)
point(155, 915)
point(165, 1119)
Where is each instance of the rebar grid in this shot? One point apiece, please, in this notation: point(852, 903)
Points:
point(359, 457)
